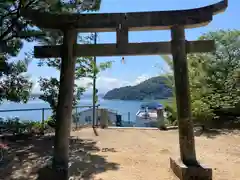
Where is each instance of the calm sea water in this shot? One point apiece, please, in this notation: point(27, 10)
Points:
point(125, 108)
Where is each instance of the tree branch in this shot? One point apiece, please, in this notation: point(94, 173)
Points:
point(14, 20)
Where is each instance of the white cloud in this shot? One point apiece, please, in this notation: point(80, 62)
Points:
point(141, 78)
point(103, 83)
point(36, 87)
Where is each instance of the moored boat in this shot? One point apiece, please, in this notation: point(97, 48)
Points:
point(150, 114)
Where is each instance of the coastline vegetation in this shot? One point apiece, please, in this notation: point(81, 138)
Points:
point(214, 82)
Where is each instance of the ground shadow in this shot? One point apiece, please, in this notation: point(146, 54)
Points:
point(30, 159)
point(214, 132)
point(221, 126)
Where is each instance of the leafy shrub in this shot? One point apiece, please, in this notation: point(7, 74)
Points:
point(214, 80)
point(16, 125)
point(201, 111)
point(171, 112)
point(51, 122)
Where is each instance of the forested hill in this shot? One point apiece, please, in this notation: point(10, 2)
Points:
point(153, 88)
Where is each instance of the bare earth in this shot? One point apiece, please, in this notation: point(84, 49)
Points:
point(132, 154)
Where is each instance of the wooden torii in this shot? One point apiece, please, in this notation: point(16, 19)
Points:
point(177, 21)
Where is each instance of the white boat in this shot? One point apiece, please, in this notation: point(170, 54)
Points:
point(147, 115)
point(85, 117)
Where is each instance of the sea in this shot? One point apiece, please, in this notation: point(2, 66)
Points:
point(33, 109)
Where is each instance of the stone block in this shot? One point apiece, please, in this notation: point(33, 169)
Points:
point(184, 172)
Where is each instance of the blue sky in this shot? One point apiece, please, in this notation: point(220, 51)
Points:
point(139, 68)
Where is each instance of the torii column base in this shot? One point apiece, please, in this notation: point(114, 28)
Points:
point(184, 172)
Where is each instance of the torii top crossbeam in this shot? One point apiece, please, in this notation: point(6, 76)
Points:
point(135, 21)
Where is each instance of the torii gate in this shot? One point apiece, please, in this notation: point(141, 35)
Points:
point(177, 21)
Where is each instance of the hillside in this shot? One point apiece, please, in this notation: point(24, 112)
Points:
point(153, 88)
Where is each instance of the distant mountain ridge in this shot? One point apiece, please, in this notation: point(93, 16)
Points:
point(153, 88)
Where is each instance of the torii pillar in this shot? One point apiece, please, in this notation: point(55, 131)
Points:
point(65, 101)
point(186, 167)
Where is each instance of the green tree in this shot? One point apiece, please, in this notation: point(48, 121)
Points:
point(214, 77)
point(14, 85)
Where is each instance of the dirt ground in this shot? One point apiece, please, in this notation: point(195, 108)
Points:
point(129, 154)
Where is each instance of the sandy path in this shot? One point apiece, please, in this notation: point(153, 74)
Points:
point(137, 155)
point(144, 154)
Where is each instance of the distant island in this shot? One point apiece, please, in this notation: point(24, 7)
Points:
point(153, 88)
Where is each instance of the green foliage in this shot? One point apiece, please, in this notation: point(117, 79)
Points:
point(13, 29)
point(201, 111)
point(14, 83)
point(50, 88)
point(51, 121)
point(219, 71)
point(153, 88)
point(214, 77)
point(171, 111)
point(16, 125)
